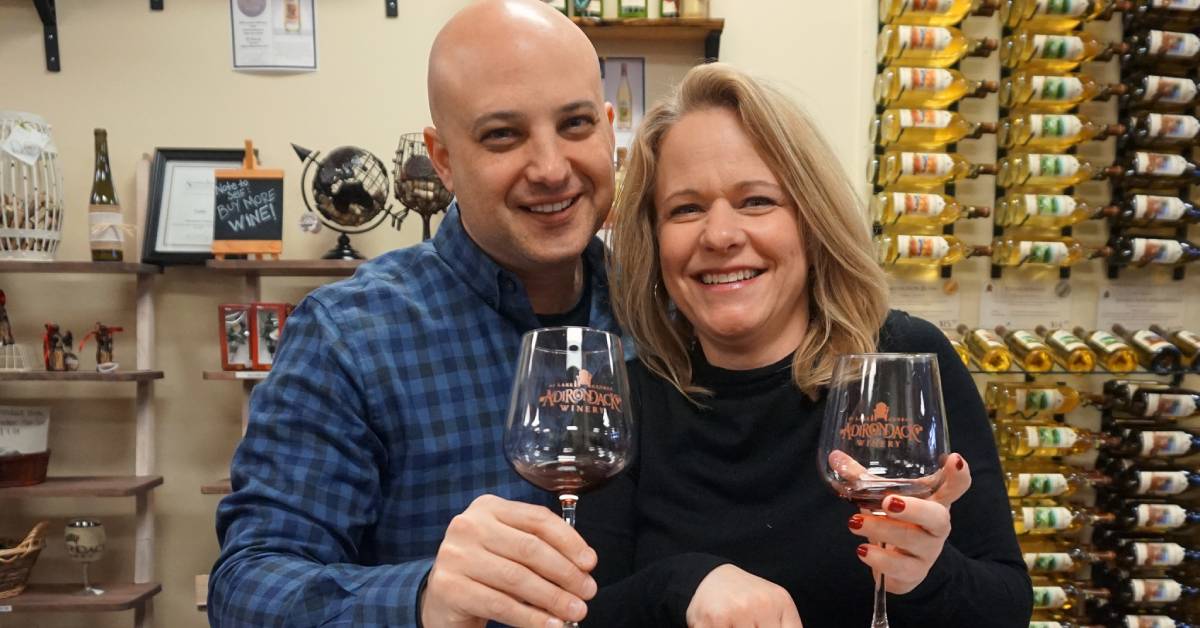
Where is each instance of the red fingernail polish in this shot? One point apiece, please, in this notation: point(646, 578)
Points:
point(896, 505)
point(960, 463)
point(856, 522)
point(862, 550)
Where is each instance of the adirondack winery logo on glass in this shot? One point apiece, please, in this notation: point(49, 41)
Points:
point(581, 395)
point(882, 430)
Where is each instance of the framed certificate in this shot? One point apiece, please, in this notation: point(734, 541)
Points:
point(179, 218)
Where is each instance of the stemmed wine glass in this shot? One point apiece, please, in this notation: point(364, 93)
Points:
point(85, 541)
point(569, 425)
point(884, 434)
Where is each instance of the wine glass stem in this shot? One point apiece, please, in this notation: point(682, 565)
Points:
point(87, 585)
point(879, 617)
point(567, 502)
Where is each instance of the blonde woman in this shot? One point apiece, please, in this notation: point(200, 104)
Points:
point(742, 266)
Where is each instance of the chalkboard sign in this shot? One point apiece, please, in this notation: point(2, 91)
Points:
point(248, 206)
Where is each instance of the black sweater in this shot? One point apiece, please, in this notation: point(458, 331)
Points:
point(737, 482)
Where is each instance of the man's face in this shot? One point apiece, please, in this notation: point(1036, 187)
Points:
point(525, 143)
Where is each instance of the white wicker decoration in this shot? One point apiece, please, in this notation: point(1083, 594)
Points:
point(31, 195)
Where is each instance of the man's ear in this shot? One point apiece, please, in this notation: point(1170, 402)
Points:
point(440, 157)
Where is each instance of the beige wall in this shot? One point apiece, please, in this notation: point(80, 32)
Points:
point(164, 80)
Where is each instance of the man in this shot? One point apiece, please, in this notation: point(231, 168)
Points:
point(371, 487)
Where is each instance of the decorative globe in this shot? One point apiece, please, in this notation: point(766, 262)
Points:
point(350, 186)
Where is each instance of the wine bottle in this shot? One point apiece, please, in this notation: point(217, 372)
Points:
point(1054, 53)
point(1161, 93)
point(922, 171)
point(632, 8)
point(1162, 50)
point(561, 5)
point(921, 250)
point(1030, 401)
point(1031, 353)
point(933, 12)
point(624, 119)
point(1113, 354)
point(1051, 132)
point(1153, 351)
point(1149, 169)
point(1016, 441)
point(1160, 130)
point(928, 46)
point(1150, 592)
point(1061, 252)
point(104, 212)
point(1149, 210)
point(668, 8)
point(1150, 444)
point(1128, 251)
point(1069, 351)
point(1053, 93)
point(1131, 481)
point(1164, 402)
point(925, 129)
point(1114, 619)
point(1043, 172)
point(1139, 554)
point(987, 348)
point(1064, 596)
point(929, 88)
point(1058, 16)
point(1169, 13)
point(589, 8)
point(1187, 342)
point(1148, 516)
point(1054, 481)
point(959, 348)
point(921, 209)
point(1052, 557)
point(1038, 623)
point(1046, 211)
point(1053, 520)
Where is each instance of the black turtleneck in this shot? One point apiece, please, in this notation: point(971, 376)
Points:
point(736, 481)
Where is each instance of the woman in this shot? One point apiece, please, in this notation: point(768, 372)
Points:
point(761, 274)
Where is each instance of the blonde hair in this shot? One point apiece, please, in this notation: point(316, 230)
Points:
point(846, 287)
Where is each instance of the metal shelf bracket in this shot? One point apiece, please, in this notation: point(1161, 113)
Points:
point(49, 16)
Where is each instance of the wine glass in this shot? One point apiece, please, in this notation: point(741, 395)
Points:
point(884, 434)
point(85, 544)
point(569, 425)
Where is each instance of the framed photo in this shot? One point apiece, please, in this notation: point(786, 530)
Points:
point(179, 216)
point(625, 88)
point(235, 336)
point(267, 320)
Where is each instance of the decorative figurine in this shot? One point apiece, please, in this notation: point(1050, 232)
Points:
point(267, 319)
point(348, 191)
point(235, 336)
point(12, 359)
point(6, 333)
point(56, 349)
point(104, 346)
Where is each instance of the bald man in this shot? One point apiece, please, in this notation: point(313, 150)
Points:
point(371, 488)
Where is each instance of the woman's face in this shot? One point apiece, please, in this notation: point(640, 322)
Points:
point(729, 242)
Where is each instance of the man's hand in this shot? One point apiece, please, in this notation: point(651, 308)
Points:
point(511, 562)
point(729, 597)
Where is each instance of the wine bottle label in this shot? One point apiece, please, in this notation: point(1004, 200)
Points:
point(1045, 624)
point(1151, 207)
point(1044, 165)
point(1051, 437)
point(931, 6)
point(1049, 597)
point(1108, 342)
point(1039, 400)
point(596, 7)
point(1044, 125)
point(1056, 88)
point(1176, 5)
point(1154, 251)
point(925, 118)
point(1068, 8)
point(1159, 164)
point(105, 225)
point(1172, 126)
point(1188, 337)
point(1037, 252)
point(924, 37)
point(633, 5)
point(1169, 89)
point(1160, 516)
point(988, 339)
point(1164, 443)
point(929, 247)
point(1027, 340)
point(1057, 47)
point(1052, 205)
point(1168, 404)
point(1155, 590)
point(1149, 621)
point(1162, 482)
point(1158, 554)
point(1041, 484)
point(1048, 562)
point(1066, 341)
point(925, 79)
point(926, 164)
point(1046, 517)
point(670, 8)
point(911, 204)
point(1173, 44)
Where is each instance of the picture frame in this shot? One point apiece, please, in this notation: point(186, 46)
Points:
point(234, 333)
point(267, 321)
point(180, 211)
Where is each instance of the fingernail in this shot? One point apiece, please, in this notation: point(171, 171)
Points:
point(587, 557)
point(896, 505)
point(960, 463)
point(577, 608)
point(856, 522)
point(862, 550)
point(554, 623)
point(589, 588)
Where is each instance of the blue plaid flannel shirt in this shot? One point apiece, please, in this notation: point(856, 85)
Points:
point(382, 419)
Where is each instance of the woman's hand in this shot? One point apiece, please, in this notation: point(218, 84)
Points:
point(729, 597)
point(913, 531)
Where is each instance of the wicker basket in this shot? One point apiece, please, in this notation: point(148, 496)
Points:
point(31, 195)
point(17, 559)
point(24, 469)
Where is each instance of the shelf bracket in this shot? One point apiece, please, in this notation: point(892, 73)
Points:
point(712, 46)
point(391, 8)
point(156, 5)
point(49, 16)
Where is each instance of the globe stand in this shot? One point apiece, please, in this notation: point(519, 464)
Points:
point(343, 250)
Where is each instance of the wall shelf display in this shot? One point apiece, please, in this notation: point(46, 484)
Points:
point(101, 486)
point(99, 268)
point(64, 598)
point(80, 376)
point(659, 29)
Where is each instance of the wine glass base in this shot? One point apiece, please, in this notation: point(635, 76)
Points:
point(90, 591)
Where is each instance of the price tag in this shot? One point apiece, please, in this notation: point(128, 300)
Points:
point(1024, 305)
point(1137, 305)
point(934, 301)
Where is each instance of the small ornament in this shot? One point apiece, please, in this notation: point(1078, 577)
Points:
point(6, 333)
point(56, 349)
point(104, 346)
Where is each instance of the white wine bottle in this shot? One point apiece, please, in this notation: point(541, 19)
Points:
point(1016, 441)
point(1043, 172)
point(1030, 352)
point(922, 250)
point(1052, 93)
point(1070, 352)
point(1112, 352)
point(1043, 211)
point(1054, 53)
point(1054, 557)
point(924, 129)
point(922, 171)
point(933, 12)
point(1039, 132)
point(1056, 16)
point(1061, 252)
point(988, 349)
point(963, 353)
point(930, 88)
point(624, 119)
point(104, 211)
point(1053, 520)
point(1029, 401)
point(1064, 597)
point(921, 209)
point(1049, 481)
point(929, 46)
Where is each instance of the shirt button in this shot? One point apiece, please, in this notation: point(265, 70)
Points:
point(508, 284)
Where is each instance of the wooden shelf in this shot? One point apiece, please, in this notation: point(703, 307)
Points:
point(61, 598)
point(109, 268)
point(79, 376)
point(286, 268)
point(79, 486)
point(220, 487)
point(698, 30)
point(231, 376)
